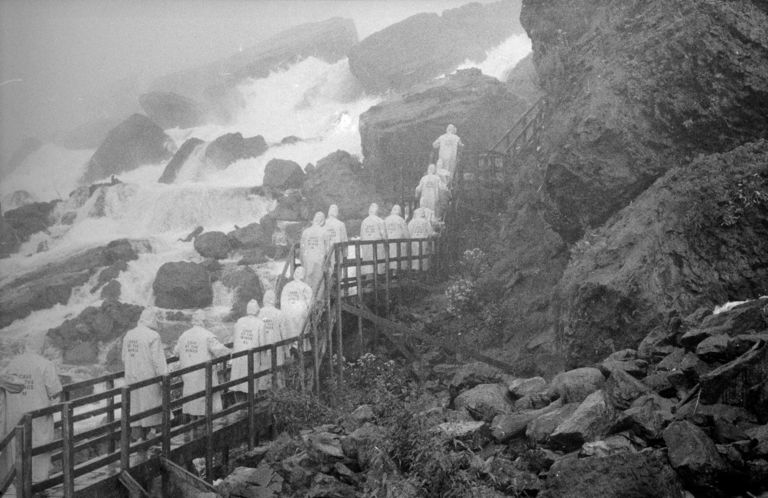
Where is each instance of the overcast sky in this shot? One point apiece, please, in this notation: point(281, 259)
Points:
point(57, 55)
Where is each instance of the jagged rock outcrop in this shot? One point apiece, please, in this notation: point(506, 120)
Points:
point(282, 174)
point(170, 110)
point(182, 285)
point(30, 218)
point(134, 142)
point(53, 283)
point(232, 147)
point(339, 179)
point(697, 237)
point(9, 239)
point(425, 46)
point(173, 167)
point(402, 128)
point(212, 84)
point(245, 284)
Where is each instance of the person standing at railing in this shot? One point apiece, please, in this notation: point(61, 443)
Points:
point(314, 247)
point(428, 190)
point(335, 229)
point(397, 228)
point(448, 150)
point(248, 330)
point(13, 385)
point(195, 346)
point(372, 228)
point(295, 302)
point(275, 331)
point(41, 389)
point(419, 228)
point(144, 358)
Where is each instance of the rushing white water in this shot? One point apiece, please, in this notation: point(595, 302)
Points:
point(316, 101)
point(500, 60)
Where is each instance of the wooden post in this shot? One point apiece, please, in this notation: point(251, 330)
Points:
point(125, 428)
point(166, 442)
point(300, 348)
point(110, 384)
point(24, 456)
point(315, 352)
point(273, 363)
point(339, 300)
point(67, 454)
point(375, 289)
point(251, 399)
point(421, 255)
point(398, 274)
point(359, 292)
point(386, 279)
point(208, 419)
point(328, 275)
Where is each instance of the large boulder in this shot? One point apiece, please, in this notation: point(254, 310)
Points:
point(626, 475)
point(646, 417)
point(170, 110)
point(508, 425)
point(31, 218)
point(575, 385)
point(78, 337)
point(250, 236)
point(179, 158)
point(622, 389)
point(397, 135)
point(215, 84)
point(182, 285)
point(232, 147)
point(9, 239)
point(425, 46)
point(214, 245)
point(339, 179)
point(694, 456)
point(540, 428)
point(133, 143)
point(53, 283)
point(246, 286)
point(283, 174)
point(485, 401)
point(589, 422)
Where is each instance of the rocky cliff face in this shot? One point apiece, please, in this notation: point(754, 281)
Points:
point(635, 89)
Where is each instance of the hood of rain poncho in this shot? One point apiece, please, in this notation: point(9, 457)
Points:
point(318, 219)
point(252, 308)
point(299, 273)
point(269, 298)
point(396, 209)
point(373, 210)
point(333, 211)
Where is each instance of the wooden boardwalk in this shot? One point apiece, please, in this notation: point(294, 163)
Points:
point(92, 453)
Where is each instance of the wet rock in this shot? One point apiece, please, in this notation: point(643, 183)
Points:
point(716, 382)
point(134, 142)
point(509, 425)
point(254, 256)
point(660, 383)
point(170, 110)
point(31, 218)
point(533, 401)
point(425, 46)
point(246, 285)
point(361, 444)
point(179, 158)
point(282, 174)
point(182, 285)
point(462, 430)
point(713, 348)
point(213, 245)
point(484, 401)
point(636, 475)
point(621, 389)
point(111, 291)
point(470, 375)
point(575, 385)
point(323, 445)
point(513, 481)
point(250, 236)
point(611, 445)
point(540, 428)
point(325, 486)
point(695, 410)
point(9, 239)
point(694, 456)
point(519, 388)
point(340, 179)
point(657, 344)
point(633, 366)
point(363, 414)
point(232, 147)
point(760, 435)
point(647, 417)
point(589, 422)
point(261, 482)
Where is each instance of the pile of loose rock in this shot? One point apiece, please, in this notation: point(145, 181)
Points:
point(683, 415)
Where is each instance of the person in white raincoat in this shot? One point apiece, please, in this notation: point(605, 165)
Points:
point(295, 302)
point(314, 247)
point(448, 149)
point(144, 358)
point(396, 229)
point(275, 331)
point(198, 345)
point(13, 385)
point(429, 189)
point(372, 228)
point(335, 229)
point(246, 335)
point(419, 228)
point(41, 389)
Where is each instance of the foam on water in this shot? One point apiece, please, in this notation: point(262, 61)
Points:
point(500, 60)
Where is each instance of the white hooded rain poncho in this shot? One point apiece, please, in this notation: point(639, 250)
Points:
point(41, 386)
point(419, 228)
point(248, 330)
point(335, 229)
point(198, 345)
point(448, 149)
point(429, 189)
point(295, 302)
point(314, 247)
point(396, 229)
point(372, 228)
point(274, 331)
point(144, 358)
